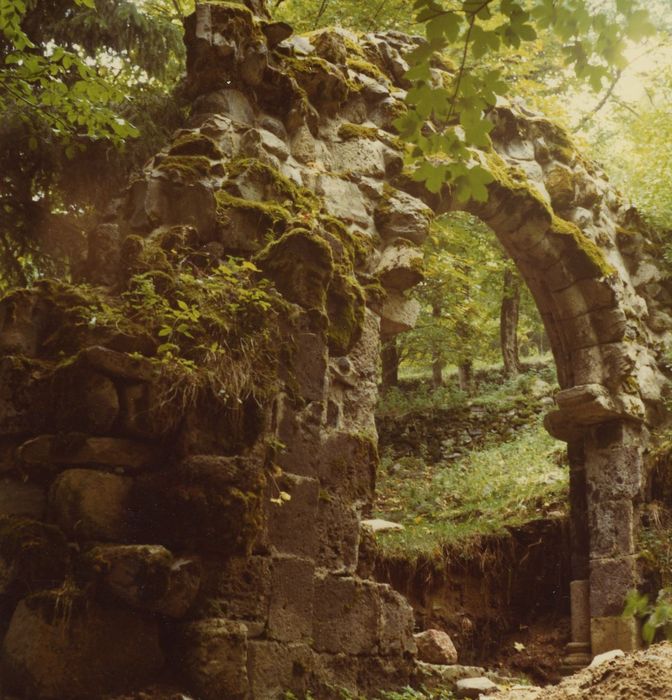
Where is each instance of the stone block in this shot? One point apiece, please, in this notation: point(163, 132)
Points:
point(92, 505)
point(232, 103)
point(614, 632)
point(118, 364)
point(610, 581)
point(85, 400)
point(240, 587)
point(475, 687)
point(22, 498)
point(585, 296)
point(300, 434)
point(276, 668)
point(614, 472)
point(332, 672)
point(144, 412)
point(290, 616)
point(306, 372)
point(24, 318)
point(214, 658)
point(292, 527)
point(347, 612)
point(209, 503)
point(25, 397)
point(402, 216)
point(398, 314)
point(73, 449)
point(343, 199)
point(397, 622)
point(348, 466)
point(435, 647)
point(60, 646)
point(611, 528)
point(145, 576)
point(400, 266)
point(338, 533)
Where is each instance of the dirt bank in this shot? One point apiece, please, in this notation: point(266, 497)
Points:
point(644, 675)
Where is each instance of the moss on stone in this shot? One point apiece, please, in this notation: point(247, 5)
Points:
point(321, 81)
point(590, 250)
point(358, 246)
point(273, 212)
point(187, 168)
point(521, 189)
point(301, 197)
point(360, 65)
point(195, 144)
point(348, 131)
point(346, 304)
point(301, 265)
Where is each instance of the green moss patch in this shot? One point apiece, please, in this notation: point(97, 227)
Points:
point(195, 144)
point(186, 167)
point(301, 265)
point(346, 308)
point(361, 65)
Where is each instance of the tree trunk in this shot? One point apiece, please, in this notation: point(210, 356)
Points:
point(437, 359)
point(437, 372)
point(464, 376)
point(508, 323)
point(390, 362)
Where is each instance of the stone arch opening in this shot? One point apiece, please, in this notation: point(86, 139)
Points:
point(586, 259)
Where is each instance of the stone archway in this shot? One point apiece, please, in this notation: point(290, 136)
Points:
point(289, 158)
point(587, 261)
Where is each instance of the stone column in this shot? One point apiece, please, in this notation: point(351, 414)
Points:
point(614, 476)
point(578, 649)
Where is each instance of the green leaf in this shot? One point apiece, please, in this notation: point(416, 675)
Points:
point(445, 26)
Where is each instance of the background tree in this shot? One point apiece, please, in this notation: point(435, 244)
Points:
point(78, 79)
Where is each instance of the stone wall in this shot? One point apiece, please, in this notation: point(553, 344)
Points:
point(187, 443)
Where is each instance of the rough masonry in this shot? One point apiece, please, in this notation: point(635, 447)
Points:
point(187, 441)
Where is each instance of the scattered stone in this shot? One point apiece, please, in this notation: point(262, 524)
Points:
point(380, 525)
point(475, 687)
point(605, 657)
point(436, 647)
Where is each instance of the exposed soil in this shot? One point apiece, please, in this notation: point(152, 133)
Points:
point(511, 591)
point(644, 675)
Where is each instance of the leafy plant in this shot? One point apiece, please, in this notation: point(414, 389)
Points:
point(656, 616)
point(593, 42)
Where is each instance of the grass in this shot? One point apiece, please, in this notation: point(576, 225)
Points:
point(451, 506)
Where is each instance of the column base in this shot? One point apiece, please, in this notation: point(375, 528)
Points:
point(607, 633)
point(577, 656)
